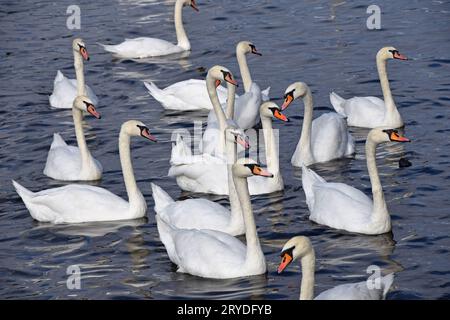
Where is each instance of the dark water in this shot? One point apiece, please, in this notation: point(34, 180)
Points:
point(324, 43)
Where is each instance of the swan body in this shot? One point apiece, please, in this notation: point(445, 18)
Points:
point(358, 291)
point(144, 47)
point(343, 207)
point(74, 163)
point(77, 203)
point(324, 139)
point(371, 112)
point(300, 247)
point(202, 213)
point(214, 254)
point(185, 95)
point(66, 90)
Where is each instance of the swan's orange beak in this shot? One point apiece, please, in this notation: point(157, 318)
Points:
point(399, 56)
point(91, 109)
point(258, 171)
point(287, 101)
point(194, 5)
point(217, 83)
point(277, 114)
point(396, 137)
point(229, 79)
point(286, 259)
point(146, 134)
point(243, 142)
point(84, 53)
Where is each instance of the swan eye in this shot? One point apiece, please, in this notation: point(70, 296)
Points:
point(289, 94)
point(288, 252)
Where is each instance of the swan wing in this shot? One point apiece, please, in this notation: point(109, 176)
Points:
point(365, 111)
point(208, 253)
point(341, 206)
point(74, 203)
point(330, 138)
point(65, 91)
point(143, 47)
point(246, 109)
point(196, 214)
point(358, 291)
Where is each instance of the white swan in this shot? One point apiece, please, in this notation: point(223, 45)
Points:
point(203, 213)
point(324, 139)
point(214, 254)
point(341, 206)
point(301, 247)
point(74, 163)
point(371, 112)
point(206, 173)
point(76, 203)
point(66, 90)
point(151, 47)
point(192, 94)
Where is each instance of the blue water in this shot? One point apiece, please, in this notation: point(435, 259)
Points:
point(324, 43)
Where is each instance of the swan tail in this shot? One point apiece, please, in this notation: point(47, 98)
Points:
point(107, 47)
point(265, 94)
point(155, 92)
point(23, 192)
point(59, 76)
point(165, 231)
point(337, 101)
point(161, 198)
point(309, 178)
point(180, 151)
point(387, 281)
point(58, 141)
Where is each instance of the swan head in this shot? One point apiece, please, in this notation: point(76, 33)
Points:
point(247, 47)
point(390, 53)
point(137, 128)
point(384, 134)
point(270, 110)
point(219, 74)
point(85, 104)
point(79, 47)
point(245, 168)
point(234, 134)
point(296, 247)
point(190, 3)
point(294, 91)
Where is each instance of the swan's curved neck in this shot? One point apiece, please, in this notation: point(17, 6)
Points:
point(235, 206)
point(243, 69)
point(231, 94)
point(271, 147)
point(307, 283)
point(81, 140)
point(254, 251)
point(382, 74)
point(134, 194)
point(305, 136)
point(79, 73)
point(380, 211)
point(182, 38)
point(222, 120)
